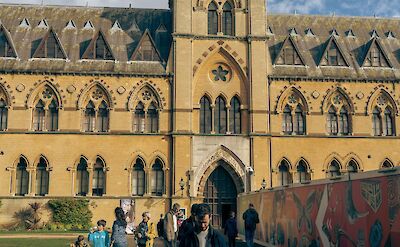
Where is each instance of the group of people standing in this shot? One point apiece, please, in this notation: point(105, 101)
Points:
point(195, 231)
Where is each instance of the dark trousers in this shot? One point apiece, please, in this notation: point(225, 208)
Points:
point(249, 235)
point(141, 245)
point(231, 241)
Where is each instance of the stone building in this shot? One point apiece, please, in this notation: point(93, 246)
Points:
point(197, 103)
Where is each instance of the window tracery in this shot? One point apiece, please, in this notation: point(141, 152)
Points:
point(96, 111)
point(338, 115)
point(146, 112)
point(293, 115)
point(383, 116)
point(45, 111)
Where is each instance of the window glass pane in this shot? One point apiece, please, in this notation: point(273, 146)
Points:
point(205, 116)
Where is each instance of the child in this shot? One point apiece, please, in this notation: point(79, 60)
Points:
point(80, 242)
point(99, 238)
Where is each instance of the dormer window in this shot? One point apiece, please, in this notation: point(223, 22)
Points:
point(220, 21)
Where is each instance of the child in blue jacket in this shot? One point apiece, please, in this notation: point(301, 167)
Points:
point(100, 237)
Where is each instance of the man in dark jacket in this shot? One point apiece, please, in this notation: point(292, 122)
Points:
point(250, 217)
point(203, 235)
point(231, 230)
point(188, 225)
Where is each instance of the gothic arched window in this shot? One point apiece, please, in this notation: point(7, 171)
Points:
point(38, 116)
point(52, 118)
point(284, 174)
point(387, 164)
point(103, 117)
point(90, 117)
point(42, 178)
point(235, 116)
point(157, 178)
point(139, 118)
point(3, 115)
point(82, 178)
point(334, 169)
point(389, 122)
point(287, 125)
point(302, 172)
point(343, 122)
point(152, 119)
point(99, 178)
point(298, 126)
point(332, 124)
point(383, 116)
point(227, 19)
point(22, 178)
point(212, 18)
point(352, 166)
point(205, 115)
point(220, 121)
point(138, 178)
point(377, 121)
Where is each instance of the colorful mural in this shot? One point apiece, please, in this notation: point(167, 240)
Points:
point(362, 212)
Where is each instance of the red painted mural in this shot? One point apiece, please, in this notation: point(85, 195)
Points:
point(362, 212)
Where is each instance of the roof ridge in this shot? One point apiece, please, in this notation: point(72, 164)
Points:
point(381, 18)
point(30, 5)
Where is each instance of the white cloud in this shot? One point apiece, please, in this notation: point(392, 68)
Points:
point(300, 6)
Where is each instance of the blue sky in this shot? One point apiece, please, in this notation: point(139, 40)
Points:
point(381, 8)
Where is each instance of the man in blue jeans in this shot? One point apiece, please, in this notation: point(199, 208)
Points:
point(250, 217)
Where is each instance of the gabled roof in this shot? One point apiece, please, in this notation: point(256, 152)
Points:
point(94, 52)
point(332, 43)
point(50, 47)
point(6, 44)
point(374, 43)
point(289, 42)
point(139, 53)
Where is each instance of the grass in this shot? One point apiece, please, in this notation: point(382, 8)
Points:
point(29, 242)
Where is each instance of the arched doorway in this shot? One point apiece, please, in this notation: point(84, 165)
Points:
point(220, 193)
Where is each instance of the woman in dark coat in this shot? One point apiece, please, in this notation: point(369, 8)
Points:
point(118, 236)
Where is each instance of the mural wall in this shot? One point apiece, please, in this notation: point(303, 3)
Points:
point(362, 212)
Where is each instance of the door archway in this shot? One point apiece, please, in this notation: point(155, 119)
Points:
point(220, 193)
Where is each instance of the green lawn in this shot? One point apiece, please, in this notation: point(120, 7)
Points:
point(29, 242)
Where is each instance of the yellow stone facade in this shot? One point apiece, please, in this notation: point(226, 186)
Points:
point(251, 157)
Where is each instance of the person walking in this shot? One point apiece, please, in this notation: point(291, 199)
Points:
point(160, 226)
point(171, 226)
point(145, 232)
point(118, 236)
point(188, 224)
point(203, 234)
point(250, 217)
point(231, 230)
point(99, 237)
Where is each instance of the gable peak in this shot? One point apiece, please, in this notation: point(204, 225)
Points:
point(88, 25)
point(70, 25)
point(25, 23)
point(43, 24)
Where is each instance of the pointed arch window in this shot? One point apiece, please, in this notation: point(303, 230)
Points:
point(302, 172)
point(343, 122)
point(38, 116)
point(103, 117)
point(287, 125)
point(3, 115)
point(82, 178)
point(227, 19)
point(352, 167)
point(212, 18)
point(152, 119)
point(235, 117)
point(139, 122)
point(138, 178)
point(284, 174)
point(334, 169)
point(157, 178)
point(90, 117)
point(205, 115)
point(99, 178)
point(387, 164)
point(220, 122)
point(22, 178)
point(332, 124)
point(389, 122)
point(42, 178)
point(377, 121)
point(52, 117)
point(298, 126)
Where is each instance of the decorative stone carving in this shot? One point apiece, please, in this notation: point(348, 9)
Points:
point(71, 89)
point(360, 95)
point(20, 87)
point(220, 74)
point(315, 95)
point(121, 90)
